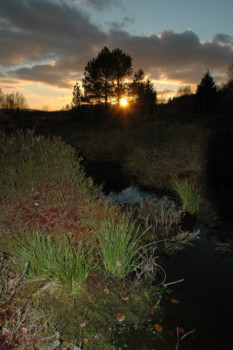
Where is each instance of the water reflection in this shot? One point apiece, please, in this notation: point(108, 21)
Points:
point(206, 293)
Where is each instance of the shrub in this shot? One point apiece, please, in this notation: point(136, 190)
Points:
point(31, 163)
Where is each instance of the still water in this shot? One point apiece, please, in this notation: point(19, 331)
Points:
point(206, 294)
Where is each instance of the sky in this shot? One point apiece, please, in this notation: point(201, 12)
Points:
point(46, 44)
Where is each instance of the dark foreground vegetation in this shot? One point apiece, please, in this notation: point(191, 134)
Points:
point(81, 273)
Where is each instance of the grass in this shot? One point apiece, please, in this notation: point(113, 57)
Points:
point(47, 260)
point(44, 187)
point(120, 244)
point(188, 193)
point(32, 163)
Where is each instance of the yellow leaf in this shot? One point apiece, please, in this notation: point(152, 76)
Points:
point(174, 301)
point(118, 263)
point(97, 336)
point(11, 274)
point(125, 298)
point(152, 310)
point(89, 299)
point(181, 330)
point(158, 327)
point(120, 316)
point(85, 341)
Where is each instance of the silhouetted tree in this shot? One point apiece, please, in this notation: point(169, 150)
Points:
point(142, 92)
point(122, 68)
point(230, 71)
point(104, 75)
point(206, 94)
point(184, 91)
point(1, 98)
point(138, 76)
point(226, 92)
point(77, 95)
point(14, 100)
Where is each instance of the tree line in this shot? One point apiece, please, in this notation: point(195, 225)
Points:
point(14, 100)
point(109, 77)
point(208, 98)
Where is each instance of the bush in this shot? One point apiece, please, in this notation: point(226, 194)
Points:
point(31, 163)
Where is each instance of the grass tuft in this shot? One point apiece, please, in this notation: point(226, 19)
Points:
point(47, 260)
point(120, 244)
point(188, 193)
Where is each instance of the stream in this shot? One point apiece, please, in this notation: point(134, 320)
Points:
point(205, 295)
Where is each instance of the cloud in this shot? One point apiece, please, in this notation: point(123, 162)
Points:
point(119, 25)
point(101, 4)
point(223, 39)
point(51, 41)
point(45, 73)
point(43, 29)
point(179, 56)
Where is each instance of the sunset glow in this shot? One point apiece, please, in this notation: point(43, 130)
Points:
point(45, 70)
point(123, 102)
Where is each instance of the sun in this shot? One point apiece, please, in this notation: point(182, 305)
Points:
point(123, 102)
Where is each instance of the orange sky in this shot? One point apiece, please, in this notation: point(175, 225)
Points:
point(46, 44)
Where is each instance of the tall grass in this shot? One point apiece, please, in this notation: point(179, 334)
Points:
point(120, 244)
point(188, 193)
point(49, 260)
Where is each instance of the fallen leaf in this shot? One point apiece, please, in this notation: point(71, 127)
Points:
point(174, 301)
point(97, 336)
point(82, 325)
point(125, 298)
point(24, 330)
point(85, 341)
point(11, 274)
point(106, 291)
point(89, 299)
point(118, 263)
point(120, 316)
point(158, 327)
point(181, 330)
point(151, 310)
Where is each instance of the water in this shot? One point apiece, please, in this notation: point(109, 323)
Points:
point(205, 295)
point(129, 195)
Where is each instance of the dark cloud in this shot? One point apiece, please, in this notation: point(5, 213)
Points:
point(101, 4)
point(223, 39)
point(51, 41)
point(45, 73)
point(119, 25)
point(45, 29)
point(179, 56)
